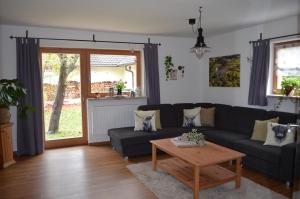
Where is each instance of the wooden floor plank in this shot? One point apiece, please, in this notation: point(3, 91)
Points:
point(87, 172)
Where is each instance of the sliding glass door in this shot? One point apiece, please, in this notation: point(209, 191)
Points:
point(64, 116)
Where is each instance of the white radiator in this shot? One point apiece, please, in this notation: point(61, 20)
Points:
point(106, 114)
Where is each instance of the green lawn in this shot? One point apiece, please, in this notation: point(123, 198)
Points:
point(70, 124)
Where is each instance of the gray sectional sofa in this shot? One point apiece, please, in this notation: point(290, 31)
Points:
point(233, 129)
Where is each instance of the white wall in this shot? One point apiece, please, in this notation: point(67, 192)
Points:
point(195, 85)
point(183, 90)
point(237, 42)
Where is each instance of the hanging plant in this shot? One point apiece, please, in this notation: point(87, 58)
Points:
point(169, 67)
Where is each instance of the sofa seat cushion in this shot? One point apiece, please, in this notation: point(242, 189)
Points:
point(257, 149)
point(224, 138)
point(182, 130)
point(171, 132)
point(127, 136)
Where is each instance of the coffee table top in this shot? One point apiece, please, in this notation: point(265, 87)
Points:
point(209, 154)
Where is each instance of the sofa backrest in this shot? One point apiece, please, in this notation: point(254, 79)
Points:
point(181, 106)
point(244, 119)
point(204, 105)
point(233, 118)
point(167, 113)
point(223, 116)
point(284, 117)
point(179, 112)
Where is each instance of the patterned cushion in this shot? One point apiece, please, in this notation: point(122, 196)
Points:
point(280, 135)
point(191, 117)
point(168, 116)
point(144, 121)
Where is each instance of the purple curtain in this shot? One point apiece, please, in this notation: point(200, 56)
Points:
point(259, 73)
point(152, 73)
point(30, 137)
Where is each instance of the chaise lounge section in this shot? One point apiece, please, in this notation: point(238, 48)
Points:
point(233, 129)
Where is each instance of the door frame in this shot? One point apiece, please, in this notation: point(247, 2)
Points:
point(83, 63)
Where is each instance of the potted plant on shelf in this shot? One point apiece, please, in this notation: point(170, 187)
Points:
point(120, 86)
point(289, 85)
point(10, 94)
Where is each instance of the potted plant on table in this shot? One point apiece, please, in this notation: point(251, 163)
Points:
point(120, 87)
point(289, 84)
point(10, 94)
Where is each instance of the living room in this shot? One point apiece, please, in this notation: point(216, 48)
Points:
point(156, 35)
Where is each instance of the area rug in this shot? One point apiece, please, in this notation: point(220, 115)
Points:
point(165, 186)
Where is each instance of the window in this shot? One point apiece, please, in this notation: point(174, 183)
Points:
point(286, 62)
point(107, 67)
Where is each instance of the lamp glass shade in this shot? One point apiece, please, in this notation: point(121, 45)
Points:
point(200, 47)
point(199, 51)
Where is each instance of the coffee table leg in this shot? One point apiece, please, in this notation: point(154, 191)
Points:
point(197, 182)
point(154, 157)
point(238, 173)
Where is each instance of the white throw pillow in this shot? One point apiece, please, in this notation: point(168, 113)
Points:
point(191, 117)
point(144, 121)
point(279, 134)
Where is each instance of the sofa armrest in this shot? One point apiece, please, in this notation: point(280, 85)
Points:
point(287, 161)
point(297, 162)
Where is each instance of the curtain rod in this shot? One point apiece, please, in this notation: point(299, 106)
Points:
point(272, 38)
point(85, 40)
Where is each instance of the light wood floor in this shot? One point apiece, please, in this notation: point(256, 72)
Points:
point(86, 172)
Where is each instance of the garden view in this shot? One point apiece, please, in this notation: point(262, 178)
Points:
point(62, 99)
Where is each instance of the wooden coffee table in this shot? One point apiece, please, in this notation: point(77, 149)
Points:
point(198, 167)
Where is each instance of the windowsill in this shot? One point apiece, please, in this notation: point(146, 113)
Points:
point(118, 98)
point(282, 96)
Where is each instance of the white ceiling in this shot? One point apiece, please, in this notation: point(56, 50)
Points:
point(159, 17)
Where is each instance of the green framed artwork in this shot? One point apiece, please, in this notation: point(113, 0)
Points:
point(224, 71)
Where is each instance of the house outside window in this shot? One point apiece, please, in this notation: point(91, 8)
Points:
point(108, 67)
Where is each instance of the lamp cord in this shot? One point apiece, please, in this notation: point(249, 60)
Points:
point(199, 21)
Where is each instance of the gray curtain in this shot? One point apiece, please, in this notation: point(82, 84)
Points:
point(30, 129)
point(152, 73)
point(259, 73)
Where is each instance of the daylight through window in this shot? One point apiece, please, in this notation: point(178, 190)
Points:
point(107, 68)
point(286, 62)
